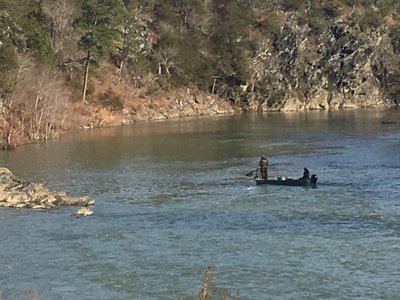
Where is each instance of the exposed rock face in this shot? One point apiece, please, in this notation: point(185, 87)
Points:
point(342, 67)
point(174, 104)
point(20, 194)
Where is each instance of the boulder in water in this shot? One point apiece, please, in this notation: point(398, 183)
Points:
point(83, 211)
point(22, 194)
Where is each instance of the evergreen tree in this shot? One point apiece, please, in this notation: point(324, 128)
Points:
point(101, 21)
point(230, 41)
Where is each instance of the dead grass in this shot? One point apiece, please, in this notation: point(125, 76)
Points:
point(209, 291)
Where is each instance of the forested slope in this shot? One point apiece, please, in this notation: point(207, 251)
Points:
point(62, 60)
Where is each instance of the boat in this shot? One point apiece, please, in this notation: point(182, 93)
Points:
point(289, 181)
point(306, 180)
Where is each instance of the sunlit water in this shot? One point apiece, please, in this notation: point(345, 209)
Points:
point(172, 198)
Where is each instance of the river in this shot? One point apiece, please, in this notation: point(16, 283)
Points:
point(172, 198)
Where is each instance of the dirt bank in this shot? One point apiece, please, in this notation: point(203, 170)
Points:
point(137, 106)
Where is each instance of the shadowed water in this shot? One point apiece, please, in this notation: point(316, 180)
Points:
point(172, 198)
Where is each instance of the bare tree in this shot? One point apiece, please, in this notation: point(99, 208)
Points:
point(46, 101)
point(166, 60)
point(62, 15)
point(64, 40)
point(10, 124)
point(134, 43)
point(34, 108)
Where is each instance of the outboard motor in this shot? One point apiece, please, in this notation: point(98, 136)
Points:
point(314, 178)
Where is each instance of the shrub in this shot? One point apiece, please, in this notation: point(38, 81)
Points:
point(111, 100)
point(209, 291)
point(370, 20)
point(394, 33)
point(288, 5)
point(38, 41)
point(8, 56)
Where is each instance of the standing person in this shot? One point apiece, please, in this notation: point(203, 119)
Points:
point(264, 167)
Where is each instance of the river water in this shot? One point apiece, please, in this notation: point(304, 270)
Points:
point(172, 198)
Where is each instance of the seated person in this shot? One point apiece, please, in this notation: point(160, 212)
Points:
point(306, 174)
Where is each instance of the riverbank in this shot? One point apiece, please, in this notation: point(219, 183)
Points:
point(171, 105)
point(126, 105)
point(134, 105)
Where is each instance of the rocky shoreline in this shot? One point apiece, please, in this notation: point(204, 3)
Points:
point(22, 194)
point(172, 105)
point(176, 104)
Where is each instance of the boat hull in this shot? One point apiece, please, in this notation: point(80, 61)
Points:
point(287, 182)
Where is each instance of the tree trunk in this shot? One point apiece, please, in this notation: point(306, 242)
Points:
point(85, 81)
point(121, 66)
point(213, 87)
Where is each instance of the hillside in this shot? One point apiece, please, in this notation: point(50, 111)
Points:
point(71, 64)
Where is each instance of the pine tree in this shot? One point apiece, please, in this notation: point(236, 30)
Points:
point(101, 21)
